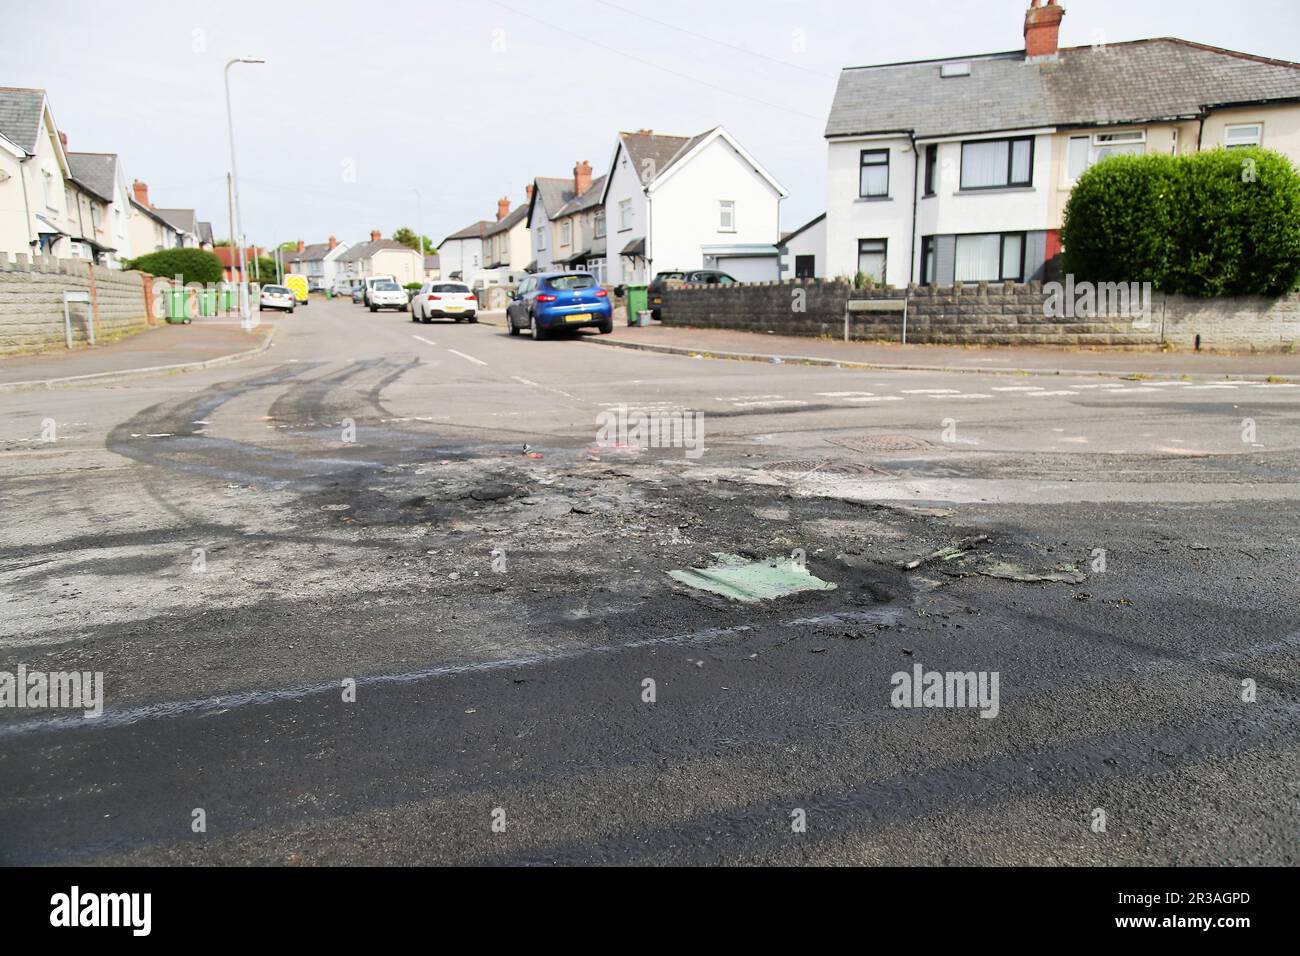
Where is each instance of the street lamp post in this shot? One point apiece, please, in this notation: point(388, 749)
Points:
point(419, 225)
point(234, 176)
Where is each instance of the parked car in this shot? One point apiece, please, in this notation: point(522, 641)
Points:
point(388, 295)
point(369, 282)
point(276, 297)
point(559, 300)
point(444, 300)
point(655, 291)
point(300, 287)
point(358, 294)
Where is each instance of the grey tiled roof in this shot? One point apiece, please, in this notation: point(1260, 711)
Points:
point(183, 219)
point(205, 232)
point(469, 232)
point(94, 171)
point(590, 197)
point(555, 193)
point(652, 154)
point(364, 250)
point(1139, 81)
point(20, 116)
point(310, 253)
point(518, 215)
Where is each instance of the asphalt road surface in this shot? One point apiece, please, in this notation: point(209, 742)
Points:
point(389, 594)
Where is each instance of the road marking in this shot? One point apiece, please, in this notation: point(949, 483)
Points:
point(931, 391)
point(960, 395)
point(547, 388)
point(779, 403)
point(468, 358)
point(845, 394)
point(424, 340)
point(1022, 388)
point(877, 398)
point(1199, 388)
point(1045, 394)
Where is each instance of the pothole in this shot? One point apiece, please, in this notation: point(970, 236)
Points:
point(876, 444)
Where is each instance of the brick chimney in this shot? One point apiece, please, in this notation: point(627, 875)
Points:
point(142, 193)
point(528, 191)
point(1043, 29)
point(503, 208)
point(375, 235)
point(333, 242)
point(645, 132)
point(301, 245)
point(63, 138)
point(582, 177)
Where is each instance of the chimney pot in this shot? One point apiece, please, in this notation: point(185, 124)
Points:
point(375, 235)
point(528, 191)
point(333, 242)
point(141, 191)
point(63, 138)
point(1043, 29)
point(301, 245)
point(503, 208)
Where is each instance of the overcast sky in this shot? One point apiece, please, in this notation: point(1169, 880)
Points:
point(468, 100)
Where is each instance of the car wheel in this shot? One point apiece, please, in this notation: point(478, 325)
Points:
point(606, 327)
point(514, 329)
point(535, 329)
point(415, 316)
point(473, 320)
point(374, 308)
point(261, 308)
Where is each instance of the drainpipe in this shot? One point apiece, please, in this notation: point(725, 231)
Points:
point(22, 174)
point(649, 248)
point(911, 258)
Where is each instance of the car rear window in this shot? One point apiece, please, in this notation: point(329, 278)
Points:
point(277, 289)
point(566, 283)
point(450, 287)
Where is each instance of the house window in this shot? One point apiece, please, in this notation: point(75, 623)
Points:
point(931, 167)
point(873, 179)
point(624, 215)
point(1085, 151)
point(1248, 134)
point(805, 267)
point(600, 224)
point(990, 257)
point(69, 204)
point(726, 215)
point(927, 260)
point(566, 233)
point(997, 163)
point(871, 258)
point(47, 186)
point(541, 238)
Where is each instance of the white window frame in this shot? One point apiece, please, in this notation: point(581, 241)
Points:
point(1257, 138)
point(566, 232)
point(726, 210)
point(624, 215)
point(599, 227)
point(1098, 142)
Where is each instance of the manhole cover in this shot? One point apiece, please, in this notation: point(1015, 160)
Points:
point(882, 443)
point(819, 468)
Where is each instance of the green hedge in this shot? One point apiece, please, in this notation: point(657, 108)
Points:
point(192, 265)
point(1222, 222)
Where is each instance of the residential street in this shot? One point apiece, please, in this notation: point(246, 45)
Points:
point(1121, 552)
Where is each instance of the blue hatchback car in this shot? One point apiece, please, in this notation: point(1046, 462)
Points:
point(559, 300)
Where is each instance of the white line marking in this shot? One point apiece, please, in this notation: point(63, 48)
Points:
point(1023, 388)
point(547, 388)
point(424, 340)
point(1200, 388)
point(468, 358)
point(787, 403)
point(845, 394)
point(1044, 394)
point(877, 398)
point(931, 391)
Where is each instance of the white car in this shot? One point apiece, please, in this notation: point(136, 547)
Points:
point(276, 297)
point(388, 295)
point(444, 300)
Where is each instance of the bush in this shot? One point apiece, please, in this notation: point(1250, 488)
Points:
point(192, 265)
point(1223, 222)
point(412, 286)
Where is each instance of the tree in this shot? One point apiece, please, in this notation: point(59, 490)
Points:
point(408, 238)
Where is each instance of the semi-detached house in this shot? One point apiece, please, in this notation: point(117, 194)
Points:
point(958, 170)
point(566, 222)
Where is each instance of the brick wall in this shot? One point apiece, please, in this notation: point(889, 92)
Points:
point(1010, 314)
point(31, 302)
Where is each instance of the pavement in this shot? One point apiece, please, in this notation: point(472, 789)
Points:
point(1035, 360)
point(204, 343)
point(394, 593)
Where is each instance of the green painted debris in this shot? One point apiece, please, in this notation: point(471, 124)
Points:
point(738, 579)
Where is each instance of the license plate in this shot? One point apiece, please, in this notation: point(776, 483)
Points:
point(658, 301)
point(453, 308)
point(581, 317)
